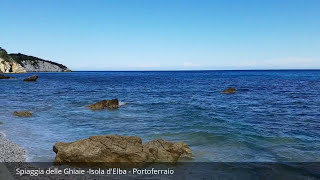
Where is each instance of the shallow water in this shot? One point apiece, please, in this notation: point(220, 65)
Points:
point(274, 116)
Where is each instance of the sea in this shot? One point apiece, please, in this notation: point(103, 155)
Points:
point(274, 116)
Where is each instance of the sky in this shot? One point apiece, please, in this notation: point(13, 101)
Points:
point(165, 34)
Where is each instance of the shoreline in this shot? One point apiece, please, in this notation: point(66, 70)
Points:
point(11, 152)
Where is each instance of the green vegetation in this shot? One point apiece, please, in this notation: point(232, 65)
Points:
point(4, 55)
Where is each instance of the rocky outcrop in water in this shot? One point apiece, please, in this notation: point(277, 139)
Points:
point(31, 78)
point(229, 91)
point(20, 63)
point(8, 65)
point(22, 113)
point(115, 148)
point(109, 104)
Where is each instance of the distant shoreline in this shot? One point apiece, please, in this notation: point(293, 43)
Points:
point(239, 70)
point(189, 70)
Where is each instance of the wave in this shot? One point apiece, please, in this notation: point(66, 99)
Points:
point(3, 134)
point(122, 103)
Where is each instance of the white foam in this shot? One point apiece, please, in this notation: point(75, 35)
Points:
point(122, 103)
point(3, 134)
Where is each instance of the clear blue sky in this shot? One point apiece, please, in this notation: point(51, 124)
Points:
point(165, 34)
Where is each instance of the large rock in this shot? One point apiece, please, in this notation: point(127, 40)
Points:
point(110, 104)
point(22, 113)
point(31, 78)
point(115, 148)
point(229, 91)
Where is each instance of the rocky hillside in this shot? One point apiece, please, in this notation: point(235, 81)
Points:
point(20, 63)
point(34, 64)
point(8, 65)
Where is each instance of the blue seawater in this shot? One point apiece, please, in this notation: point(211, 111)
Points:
point(274, 116)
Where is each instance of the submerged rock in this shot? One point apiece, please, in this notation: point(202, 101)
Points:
point(110, 104)
point(229, 91)
point(5, 77)
point(115, 148)
point(31, 78)
point(22, 113)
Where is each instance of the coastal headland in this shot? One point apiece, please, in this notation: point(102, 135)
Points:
point(20, 63)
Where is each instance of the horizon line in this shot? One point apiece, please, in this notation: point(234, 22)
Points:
point(206, 69)
point(199, 70)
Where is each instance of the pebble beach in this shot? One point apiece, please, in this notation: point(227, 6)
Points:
point(11, 152)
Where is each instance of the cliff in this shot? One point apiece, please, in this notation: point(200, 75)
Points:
point(8, 65)
point(34, 64)
point(20, 63)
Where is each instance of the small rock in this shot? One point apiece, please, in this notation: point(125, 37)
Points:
point(1, 122)
point(31, 78)
point(22, 113)
point(229, 91)
point(5, 77)
point(110, 104)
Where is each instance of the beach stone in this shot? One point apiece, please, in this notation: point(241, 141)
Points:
point(5, 77)
point(22, 113)
point(110, 104)
point(31, 78)
point(1, 122)
point(229, 91)
point(116, 148)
